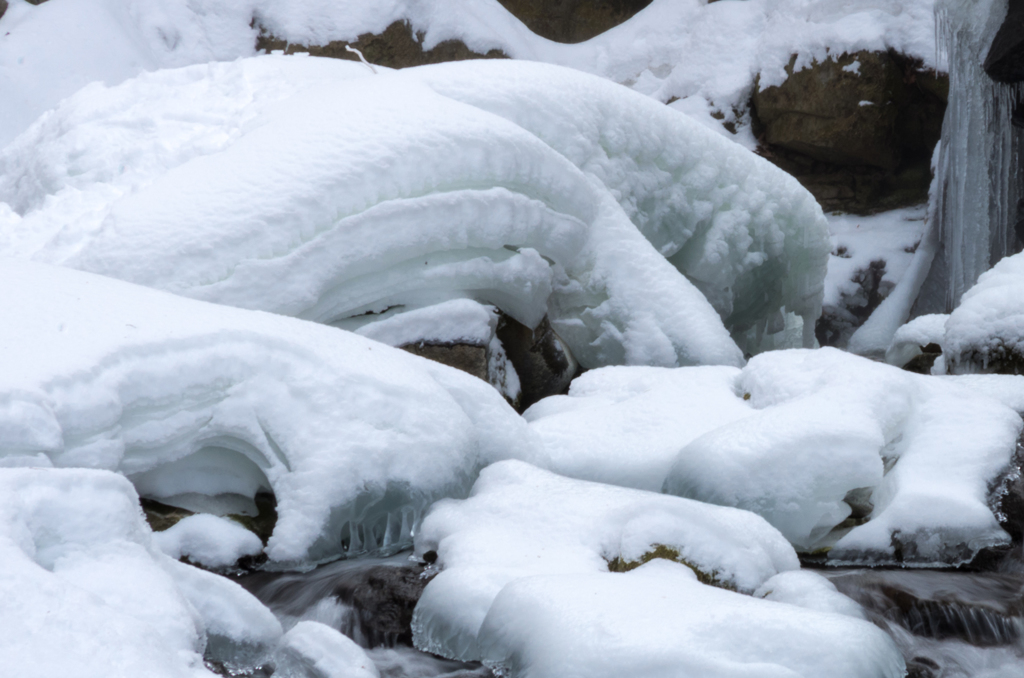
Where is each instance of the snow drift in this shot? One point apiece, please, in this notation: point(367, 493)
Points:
point(201, 403)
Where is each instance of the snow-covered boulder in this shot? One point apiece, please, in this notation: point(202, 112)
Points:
point(831, 433)
point(313, 188)
point(193, 401)
point(525, 586)
point(86, 592)
point(985, 333)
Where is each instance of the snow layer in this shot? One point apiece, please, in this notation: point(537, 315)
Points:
point(460, 321)
point(912, 337)
point(313, 650)
point(86, 593)
point(625, 425)
point(208, 540)
point(525, 586)
point(686, 49)
point(354, 438)
point(826, 423)
point(986, 331)
point(522, 521)
point(807, 589)
point(315, 192)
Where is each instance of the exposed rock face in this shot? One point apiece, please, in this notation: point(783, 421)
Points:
point(838, 323)
point(540, 357)
point(572, 20)
point(470, 358)
point(396, 47)
point(858, 132)
point(383, 599)
point(1005, 60)
point(3, 7)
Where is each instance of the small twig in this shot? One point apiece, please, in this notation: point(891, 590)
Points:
point(350, 48)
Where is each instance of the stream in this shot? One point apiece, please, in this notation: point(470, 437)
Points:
point(947, 624)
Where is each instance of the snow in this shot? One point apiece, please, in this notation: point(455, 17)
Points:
point(354, 438)
point(524, 586)
point(659, 621)
point(208, 540)
point(86, 593)
point(510, 183)
point(459, 321)
point(625, 425)
point(809, 590)
point(671, 49)
point(988, 325)
point(912, 337)
point(313, 650)
point(521, 521)
point(826, 423)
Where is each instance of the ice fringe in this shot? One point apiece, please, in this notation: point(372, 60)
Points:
point(510, 183)
point(185, 398)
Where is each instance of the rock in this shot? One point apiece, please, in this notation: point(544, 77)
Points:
point(1005, 60)
point(1006, 496)
point(663, 552)
point(858, 132)
point(383, 598)
point(573, 21)
point(838, 323)
point(922, 667)
point(541, 359)
point(396, 47)
point(470, 358)
point(161, 516)
point(923, 363)
point(3, 7)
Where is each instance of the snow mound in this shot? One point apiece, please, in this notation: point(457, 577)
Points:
point(460, 321)
point(625, 425)
point(208, 540)
point(911, 337)
point(521, 521)
point(327, 199)
point(985, 333)
point(313, 650)
point(525, 586)
point(354, 438)
point(86, 593)
point(832, 432)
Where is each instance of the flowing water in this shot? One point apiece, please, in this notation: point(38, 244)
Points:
point(338, 594)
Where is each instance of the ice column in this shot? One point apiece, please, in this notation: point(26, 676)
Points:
point(975, 205)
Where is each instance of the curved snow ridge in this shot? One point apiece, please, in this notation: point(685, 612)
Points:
point(749, 236)
point(330, 197)
point(986, 331)
point(354, 438)
point(525, 586)
point(831, 431)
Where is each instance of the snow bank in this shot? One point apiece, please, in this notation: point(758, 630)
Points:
point(625, 425)
point(315, 192)
point(313, 650)
point(683, 49)
point(986, 332)
point(209, 540)
point(354, 438)
point(921, 453)
point(86, 593)
point(522, 521)
point(525, 586)
point(910, 338)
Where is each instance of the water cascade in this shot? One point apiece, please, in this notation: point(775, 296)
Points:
point(974, 202)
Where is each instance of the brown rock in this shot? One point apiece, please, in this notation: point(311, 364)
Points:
point(3, 7)
point(572, 21)
point(541, 359)
point(396, 47)
point(469, 358)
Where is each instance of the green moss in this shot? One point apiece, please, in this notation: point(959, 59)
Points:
point(617, 564)
point(161, 516)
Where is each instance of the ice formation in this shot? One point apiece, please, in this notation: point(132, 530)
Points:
point(525, 586)
point(186, 399)
point(986, 331)
point(830, 431)
point(317, 191)
point(976, 203)
point(86, 593)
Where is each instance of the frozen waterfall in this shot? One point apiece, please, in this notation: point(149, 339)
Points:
point(975, 200)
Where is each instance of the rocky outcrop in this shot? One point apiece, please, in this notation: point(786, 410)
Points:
point(573, 21)
point(396, 47)
point(857, 131)
point(1005, 60)
point(383, 599)
point(542, 361)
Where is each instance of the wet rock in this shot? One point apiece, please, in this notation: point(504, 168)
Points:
point(838, 322)
point(923, 363)
point(3, 7)
point(858, 132)
point(573, 21)
point(983, 610)
point(161, 516)
point(396, 47)
point(1006, 496)
point(1005, 60)
point(923, 667)
point(383, 599)
point(541, 359)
